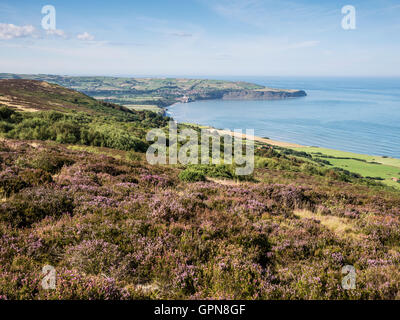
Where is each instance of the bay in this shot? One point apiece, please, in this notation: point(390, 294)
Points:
point(359, 115)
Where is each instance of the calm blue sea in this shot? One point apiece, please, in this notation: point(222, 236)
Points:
point(350, 114)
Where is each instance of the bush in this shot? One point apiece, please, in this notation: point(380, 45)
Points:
point(11, 182)
point(215, 171)
point(49, 162)
point(133, 156)
point(6, 113)
point(111, 136)
point(36, 177)
point(191, 175)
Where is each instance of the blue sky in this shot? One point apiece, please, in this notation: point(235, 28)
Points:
point(201, 38)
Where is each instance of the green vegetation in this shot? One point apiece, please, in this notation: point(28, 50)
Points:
point(198, 172)
point(140, 107)
point(382, 168)
point(80, 128)
point(192, 175)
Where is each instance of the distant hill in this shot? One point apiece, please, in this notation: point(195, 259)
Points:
point(161, 92)
point(34, 95)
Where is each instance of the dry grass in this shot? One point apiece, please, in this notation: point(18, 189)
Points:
point(224, 182)
point(9, 103)
point(342, 227)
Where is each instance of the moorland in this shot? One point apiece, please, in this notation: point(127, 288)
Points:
point(79, 195)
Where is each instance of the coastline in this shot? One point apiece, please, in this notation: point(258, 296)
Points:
point(380, 168)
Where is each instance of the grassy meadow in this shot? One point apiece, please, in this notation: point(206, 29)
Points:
point(368, 166)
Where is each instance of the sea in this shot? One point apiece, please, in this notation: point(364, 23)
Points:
point(360, 115)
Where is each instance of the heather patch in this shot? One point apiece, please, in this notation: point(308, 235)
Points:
point(32, 205)
point(116, 229)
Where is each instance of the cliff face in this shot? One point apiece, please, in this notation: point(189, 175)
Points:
point(263, 94)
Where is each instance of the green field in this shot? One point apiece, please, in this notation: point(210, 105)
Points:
point(365, 165)
point(141, 107)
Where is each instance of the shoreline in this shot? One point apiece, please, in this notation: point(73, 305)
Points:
point(384, 169)
point(284, 144)
point(260, 139)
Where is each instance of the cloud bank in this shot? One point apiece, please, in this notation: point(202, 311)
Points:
point(11, 31)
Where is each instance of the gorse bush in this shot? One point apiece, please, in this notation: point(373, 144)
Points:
point(220, 171)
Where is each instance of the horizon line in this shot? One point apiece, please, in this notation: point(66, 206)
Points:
point(188, 76)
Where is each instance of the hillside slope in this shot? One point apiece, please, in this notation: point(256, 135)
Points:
point(78, 194)
point(34, 95)
point(121, 229)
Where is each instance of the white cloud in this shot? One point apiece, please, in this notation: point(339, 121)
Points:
point(85, 36)
point(57, 32)
point(11, 31)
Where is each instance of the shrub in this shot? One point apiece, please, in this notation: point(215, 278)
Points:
point(36, 177)
point(215, 171)
point(11, 182)
point(48, 162)
point(133, 156)
point(192, 175)
point(5, 126)
point(7, 113)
